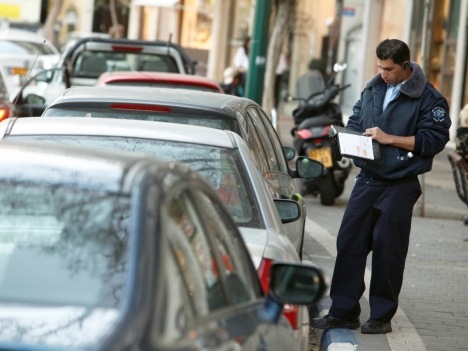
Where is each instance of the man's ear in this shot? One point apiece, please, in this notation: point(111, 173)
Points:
point(405, 65)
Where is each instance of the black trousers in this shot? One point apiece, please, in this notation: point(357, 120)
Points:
point(378, 219)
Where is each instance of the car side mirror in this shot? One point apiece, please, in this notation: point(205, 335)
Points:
point(308, 168)
point(293, 283)
point(297, 284)
point(289, 153)
point(288, 210)
point(34, 99)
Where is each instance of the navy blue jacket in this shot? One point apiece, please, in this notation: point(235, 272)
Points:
point(419, 110)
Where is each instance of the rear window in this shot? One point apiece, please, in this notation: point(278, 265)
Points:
point(92, 64)
point(204, 120)
point(222, 168)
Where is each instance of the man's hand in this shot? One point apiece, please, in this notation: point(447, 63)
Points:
point(383, 138)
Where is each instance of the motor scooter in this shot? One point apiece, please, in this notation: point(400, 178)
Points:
point(313, 119)
point(459, 161)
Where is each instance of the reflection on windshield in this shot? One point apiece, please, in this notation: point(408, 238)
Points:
point(62, 262)
point(222, 168)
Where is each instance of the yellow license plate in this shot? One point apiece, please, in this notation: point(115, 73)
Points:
point(21, 71)
point(323, 155)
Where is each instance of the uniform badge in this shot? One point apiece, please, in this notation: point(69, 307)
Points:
point(438, 114)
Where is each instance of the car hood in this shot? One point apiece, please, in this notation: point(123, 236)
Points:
point(262, 243)
point(63, 327)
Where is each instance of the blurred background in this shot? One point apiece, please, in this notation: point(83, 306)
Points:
point(329, 30)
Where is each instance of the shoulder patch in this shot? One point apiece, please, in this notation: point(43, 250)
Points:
point(438, 114)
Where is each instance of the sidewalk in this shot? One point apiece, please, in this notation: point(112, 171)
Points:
point(439, 211)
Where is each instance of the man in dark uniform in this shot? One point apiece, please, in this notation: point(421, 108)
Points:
point(410, 120)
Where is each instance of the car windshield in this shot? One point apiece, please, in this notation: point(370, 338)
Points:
point(62, 261)
point(13, 47)
point(135, 111)
point(222, 168)
point(91, 64)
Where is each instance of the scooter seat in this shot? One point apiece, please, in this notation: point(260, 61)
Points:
point(320, 121)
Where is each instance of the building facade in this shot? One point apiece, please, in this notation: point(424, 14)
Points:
point(338, 30)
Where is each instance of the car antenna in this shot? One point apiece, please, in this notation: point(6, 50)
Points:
point(27, 77)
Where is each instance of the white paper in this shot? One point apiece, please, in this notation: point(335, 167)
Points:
point(356, 145)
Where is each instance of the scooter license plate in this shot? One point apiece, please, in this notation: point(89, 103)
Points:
point(323, 155)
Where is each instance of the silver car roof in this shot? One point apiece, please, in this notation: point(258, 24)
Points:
point(119, 127)
point(222, 103)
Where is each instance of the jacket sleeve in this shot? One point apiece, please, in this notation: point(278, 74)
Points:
point(433, 127)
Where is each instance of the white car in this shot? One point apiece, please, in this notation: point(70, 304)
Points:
point(105, 250)
point(221, 156)
point(24, 53)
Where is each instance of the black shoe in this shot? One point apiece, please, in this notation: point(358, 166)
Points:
point(330, 322)
point(374, 326)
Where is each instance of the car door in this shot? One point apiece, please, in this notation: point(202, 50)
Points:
point(214, 300)
point(277, 174)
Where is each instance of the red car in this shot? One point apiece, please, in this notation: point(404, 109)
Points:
point(5, 105)
point(159, 79)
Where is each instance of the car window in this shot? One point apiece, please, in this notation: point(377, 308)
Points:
point(47, 84)
point(63, 257)
point(252, 139)
point(174, 316)
point(194, 256)
point(222, 168)
point(90, 64)
point(275, 141)
point(241, 278)
point(265, 140)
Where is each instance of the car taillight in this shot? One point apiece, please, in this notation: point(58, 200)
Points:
point(264, 274)
point(140, 107)
point(4, 112)
point(304, 134)
point(291, 312)
point(126, 48)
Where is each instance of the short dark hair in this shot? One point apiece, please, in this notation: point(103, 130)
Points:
point(394, 49)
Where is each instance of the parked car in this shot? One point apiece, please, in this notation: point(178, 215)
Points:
point(220, 156)
point(83, 62)
point(92, 56)
point(143, 256)
point(159, 79)
point(24, 53)
point(220, 111)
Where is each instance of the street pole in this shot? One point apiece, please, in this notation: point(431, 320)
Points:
point(425, 62)
point(258, 49)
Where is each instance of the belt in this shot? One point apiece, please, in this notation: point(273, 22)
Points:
point(369, 180)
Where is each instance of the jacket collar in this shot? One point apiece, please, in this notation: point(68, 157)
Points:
point(414, 86)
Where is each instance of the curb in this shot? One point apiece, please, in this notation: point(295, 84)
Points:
point(338, 340)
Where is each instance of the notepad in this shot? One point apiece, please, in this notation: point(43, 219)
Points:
point(354, 144)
